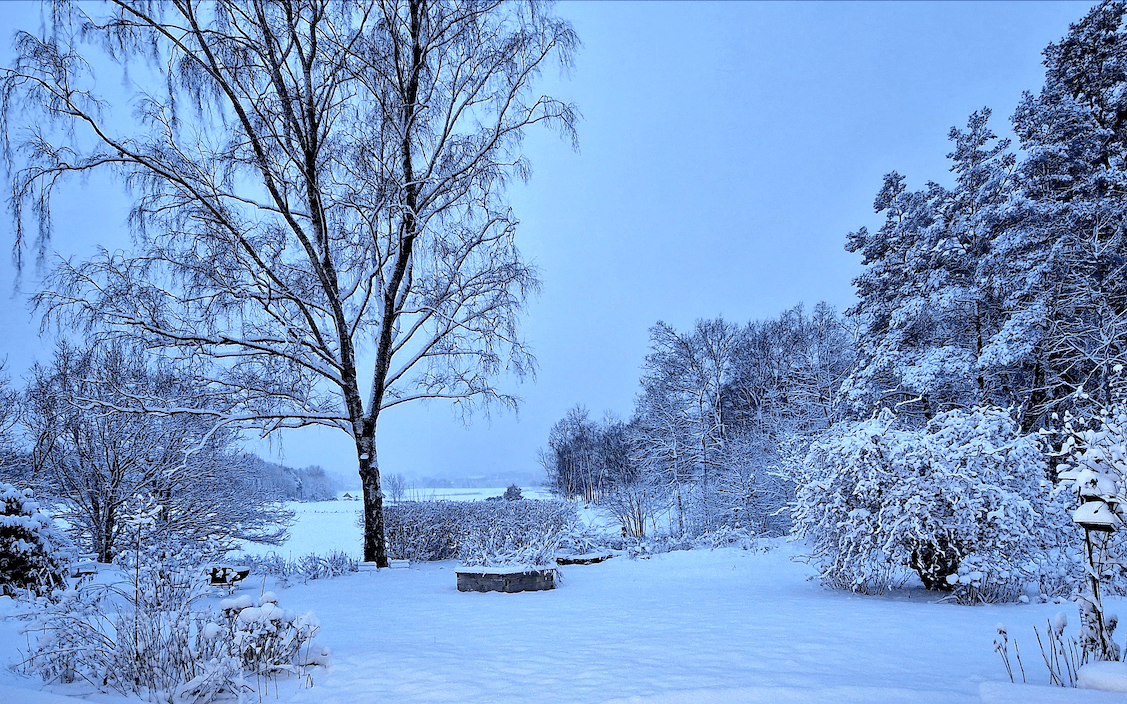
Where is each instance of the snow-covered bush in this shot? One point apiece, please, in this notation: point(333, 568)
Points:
point(634, 503)
point(512, 493)
point(303, 569)
point(335, 564)
point(264, 637)
point(476, 530)
point(722, 537)
point(964, 503)
point(581, 539)
point(31, 546)
point(151, 636)
point(498, 547)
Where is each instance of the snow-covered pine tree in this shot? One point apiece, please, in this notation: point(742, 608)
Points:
point(31, 546)
point(888, 307)
point(1059, 266)
point(925, 315)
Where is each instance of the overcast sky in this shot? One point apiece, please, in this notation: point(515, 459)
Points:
point(726, 150)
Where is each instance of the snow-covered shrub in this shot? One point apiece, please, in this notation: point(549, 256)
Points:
point(512, 493)
point(283, 570)
point(151, 636)
point(634, 503)
point(303, 569)
point(171, 556)
point(264, 637)
point(659, 544)
point(726, 537)
point(133, 637)
point(335, 564)
point(31, 546)
point(964, 503)
point(581, 539)
point(497, 547)
point(443, 530)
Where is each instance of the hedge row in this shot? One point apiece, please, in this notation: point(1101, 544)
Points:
point(476, 532)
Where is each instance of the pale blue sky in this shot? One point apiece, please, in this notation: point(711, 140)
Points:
point(726, 150)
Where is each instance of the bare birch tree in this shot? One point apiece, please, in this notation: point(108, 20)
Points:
point(318, 195)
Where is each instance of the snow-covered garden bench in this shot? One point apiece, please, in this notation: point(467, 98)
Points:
point(592, 558)
point(86, 565)
point(392, 564)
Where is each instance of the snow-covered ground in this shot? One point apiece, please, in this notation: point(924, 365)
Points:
point(703, 626)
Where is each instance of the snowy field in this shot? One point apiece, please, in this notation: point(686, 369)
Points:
point(686, 627)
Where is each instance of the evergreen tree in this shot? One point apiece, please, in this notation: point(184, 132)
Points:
point(30, 545)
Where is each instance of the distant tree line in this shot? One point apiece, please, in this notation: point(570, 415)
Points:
point(284, 483)
point(720, 408)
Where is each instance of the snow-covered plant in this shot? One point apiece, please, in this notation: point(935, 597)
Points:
point(727, 536)
point(265, 638)
point(512, 493)
point(659, 544)
point(96, 451)
point(497, 548)
point(303, 569)
point(151, 636)
point(1002, 648)
point(335, 564)
point(581, 539)
point(133, 637)
point(443, 530)
point(963, 502)
point(721, 537)
point(31, 546)
point(634, 503)
point(1063, 656)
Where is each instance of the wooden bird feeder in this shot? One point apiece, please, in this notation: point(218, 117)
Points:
point(1095, 515)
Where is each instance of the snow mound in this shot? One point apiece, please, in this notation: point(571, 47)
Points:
point(1105, 676)
point(31, 696)
point(1006, 693)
